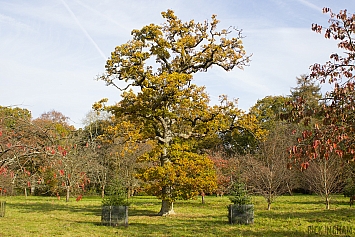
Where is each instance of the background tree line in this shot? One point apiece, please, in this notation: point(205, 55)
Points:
point(47, 156)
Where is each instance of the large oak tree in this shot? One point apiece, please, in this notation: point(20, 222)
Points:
point(159, 99)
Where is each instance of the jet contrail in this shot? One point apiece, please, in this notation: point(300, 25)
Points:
point(310, 5)
point(102, 15)
point(85, 32)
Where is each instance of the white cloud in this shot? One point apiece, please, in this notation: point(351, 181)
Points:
point(10, 21)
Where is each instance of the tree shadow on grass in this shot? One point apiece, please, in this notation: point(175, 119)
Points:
point(141, 212)
point(325, 216)
point(310, 202)
point(48, 207)
point(206, 228)
point(335, 200)
point(272, 233)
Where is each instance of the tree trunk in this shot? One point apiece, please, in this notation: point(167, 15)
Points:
point(269, 202)
point(167, 208)
point(103, 191)
point(327, 203)
point(203, 197)
point(129, 192)
point(33, 187)
point(68, 194)
point(103, 185)
point(289, 189)
point(25, 192)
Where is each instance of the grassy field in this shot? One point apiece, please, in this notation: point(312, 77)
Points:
point(290, 216)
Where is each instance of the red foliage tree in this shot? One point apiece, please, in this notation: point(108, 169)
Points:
point(22, 146)
point(227, 171)
point(334, 131)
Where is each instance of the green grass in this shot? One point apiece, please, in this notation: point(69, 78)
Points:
point(290, 216)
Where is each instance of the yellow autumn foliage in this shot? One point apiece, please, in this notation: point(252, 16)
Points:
point(187, 175)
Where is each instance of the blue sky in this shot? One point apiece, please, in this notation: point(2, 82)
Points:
point(51, 51)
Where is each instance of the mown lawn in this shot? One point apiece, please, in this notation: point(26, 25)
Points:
point(290, 216)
